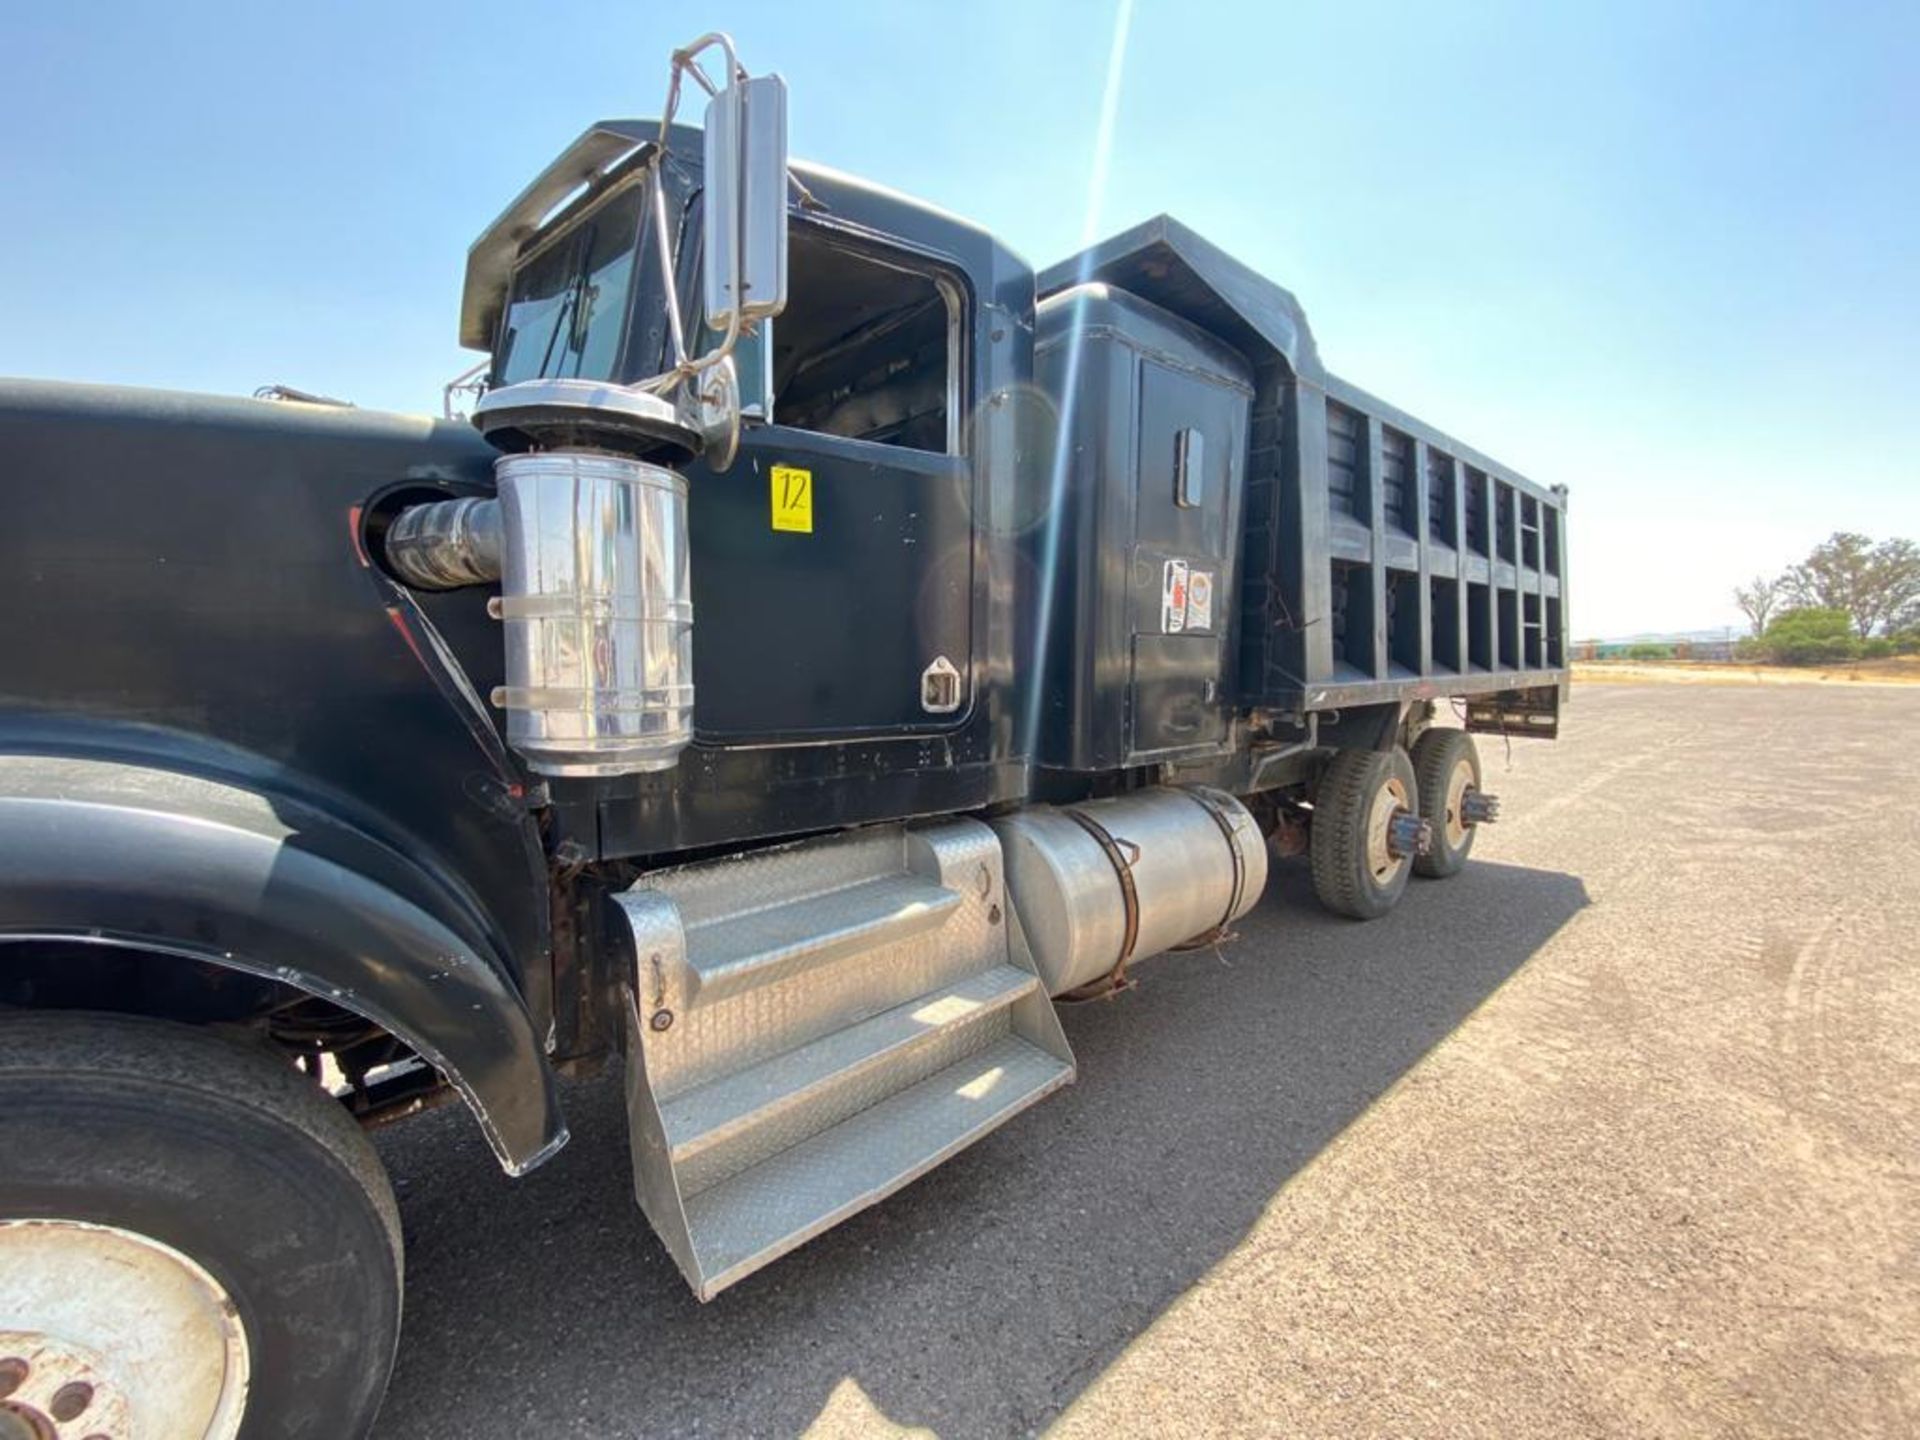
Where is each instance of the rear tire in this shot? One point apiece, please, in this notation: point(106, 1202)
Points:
point(254, 1200)
point(1446, 763)
point(1353, 874)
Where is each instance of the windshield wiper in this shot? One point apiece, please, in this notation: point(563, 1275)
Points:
point(568, 318)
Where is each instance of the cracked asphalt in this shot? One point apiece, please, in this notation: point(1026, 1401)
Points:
point(1615, 1134)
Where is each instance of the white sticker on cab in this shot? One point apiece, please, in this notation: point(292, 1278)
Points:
point(1200, 600)
point(1173, 598)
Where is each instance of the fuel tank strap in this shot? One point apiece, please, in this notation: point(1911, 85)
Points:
point(1223, 819)
point(1115, 980)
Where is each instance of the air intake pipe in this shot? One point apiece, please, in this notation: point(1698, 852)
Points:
point(446, 544)
point(590, 550)
point(1101, 884)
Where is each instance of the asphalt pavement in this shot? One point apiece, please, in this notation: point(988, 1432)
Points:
point(1614, 1134)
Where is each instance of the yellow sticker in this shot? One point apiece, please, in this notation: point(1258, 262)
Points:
point(793, 499)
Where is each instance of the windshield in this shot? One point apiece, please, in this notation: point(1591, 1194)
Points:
point(567, 313)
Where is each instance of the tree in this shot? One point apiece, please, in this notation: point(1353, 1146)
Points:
point(1810, 635)
point(1901, 559)
point(1893, 593)
point(1756, 601)
point(1876, 585)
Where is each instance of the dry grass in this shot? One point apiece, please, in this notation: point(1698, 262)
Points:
point(1898, 670)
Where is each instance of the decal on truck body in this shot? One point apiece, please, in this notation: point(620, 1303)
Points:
point(792, 496)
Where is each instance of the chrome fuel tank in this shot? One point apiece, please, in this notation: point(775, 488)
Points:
point(1100, 884)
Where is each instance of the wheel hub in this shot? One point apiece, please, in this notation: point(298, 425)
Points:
point(1459, 787)
point(1408, 835)
point(1479, 808)
point(1390, 802)
point(112, 1334)
point(54, 1388)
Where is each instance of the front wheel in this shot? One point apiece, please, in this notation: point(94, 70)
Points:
point(1358, 842)
point(194, 1241)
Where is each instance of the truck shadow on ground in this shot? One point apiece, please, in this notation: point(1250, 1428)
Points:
point(983, 1298)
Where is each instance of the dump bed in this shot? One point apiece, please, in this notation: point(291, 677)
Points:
point(1381, 558)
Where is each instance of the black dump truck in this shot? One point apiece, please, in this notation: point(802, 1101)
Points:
point(827, 643)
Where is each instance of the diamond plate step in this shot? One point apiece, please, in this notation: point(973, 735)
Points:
point(723, 1127)
point(762, 947)
point(762, 1213)
point(810, 1026)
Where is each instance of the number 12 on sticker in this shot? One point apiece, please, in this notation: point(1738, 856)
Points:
point(792, 499)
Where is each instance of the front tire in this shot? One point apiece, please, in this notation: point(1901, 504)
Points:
point(256, 1216)
point(1446, 764)
point(1355, 871)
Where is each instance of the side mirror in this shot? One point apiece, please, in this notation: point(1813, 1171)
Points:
point(746, 201)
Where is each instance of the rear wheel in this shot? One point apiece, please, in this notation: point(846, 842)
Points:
point(1359, 865)
point(1446, 765)
point(193, 1239)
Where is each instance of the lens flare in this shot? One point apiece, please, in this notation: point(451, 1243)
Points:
point(1057, 472)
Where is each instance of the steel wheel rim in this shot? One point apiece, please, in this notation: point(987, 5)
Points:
point(1389, 800)
point(1458, 784)
point(108, 1332)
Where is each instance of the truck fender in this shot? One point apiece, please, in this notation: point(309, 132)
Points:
point(1364, 727)
point(170, 864)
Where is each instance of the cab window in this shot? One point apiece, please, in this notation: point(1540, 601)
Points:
point(867, 348)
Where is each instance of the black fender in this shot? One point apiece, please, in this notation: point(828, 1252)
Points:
point(167, 863)
point(1364, 727)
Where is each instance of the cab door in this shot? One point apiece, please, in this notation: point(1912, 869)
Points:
point(833, 562)
point(829, 575)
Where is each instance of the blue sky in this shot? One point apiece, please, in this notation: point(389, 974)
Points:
point(1665, 254)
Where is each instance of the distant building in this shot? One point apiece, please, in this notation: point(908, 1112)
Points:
point(1693, 646)
point(1704, 650)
